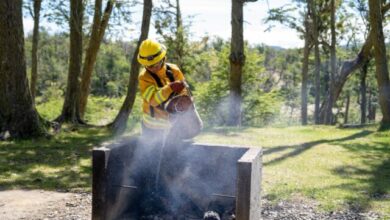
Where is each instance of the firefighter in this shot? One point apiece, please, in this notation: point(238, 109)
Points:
point(158, 82)
point(168, 109)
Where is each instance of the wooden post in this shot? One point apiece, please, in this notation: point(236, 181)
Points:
point(248, 192)
point(99, 183)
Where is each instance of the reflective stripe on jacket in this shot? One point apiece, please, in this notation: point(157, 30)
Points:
point(153, 96)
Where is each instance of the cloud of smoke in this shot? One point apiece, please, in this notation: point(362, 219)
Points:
point(206, 173)
point(160, 173)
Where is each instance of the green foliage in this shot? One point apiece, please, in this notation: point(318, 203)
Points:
point(110, 74)
point(174, 29)
point(102, 110)
point(211, 95)
point(199, 62)
point(112, 70)
point(49, 109)
point(135, 117)
point(112, 89)
point(53, 55)
point(261, 102)
point(259, 110)
point(270, 86)
point(262, 98)
point(283, 16)
point(52, 92)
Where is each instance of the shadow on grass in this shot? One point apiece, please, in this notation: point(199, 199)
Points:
point(375, 175)
point(367, 183)
point(300, 148)
point(61, 163)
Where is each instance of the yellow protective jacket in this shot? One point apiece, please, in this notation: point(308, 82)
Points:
point(153, 96)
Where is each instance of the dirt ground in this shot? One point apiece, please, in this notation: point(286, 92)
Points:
point(39, 204)
point(47, 205)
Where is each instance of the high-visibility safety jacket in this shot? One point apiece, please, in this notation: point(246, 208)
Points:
point(154, 95)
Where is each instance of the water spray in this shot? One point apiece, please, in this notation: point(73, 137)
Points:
point(126, 186)
point(223, 195)
point(165, 135)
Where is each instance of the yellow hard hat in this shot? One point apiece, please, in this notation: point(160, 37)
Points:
point(151, 52)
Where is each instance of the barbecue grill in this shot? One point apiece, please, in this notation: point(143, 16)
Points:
point(193, 179)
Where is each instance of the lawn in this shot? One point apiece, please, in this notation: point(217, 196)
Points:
point(60, 163)
point(336, 168)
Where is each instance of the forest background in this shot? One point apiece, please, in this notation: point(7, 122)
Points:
point(272, 75)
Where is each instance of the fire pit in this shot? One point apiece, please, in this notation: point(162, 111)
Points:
point(191, 180)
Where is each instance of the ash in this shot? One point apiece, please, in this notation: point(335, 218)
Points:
point(78, 207)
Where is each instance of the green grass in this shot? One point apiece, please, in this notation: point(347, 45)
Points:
point(100, 110)
point(339, 168)
point(62, 162)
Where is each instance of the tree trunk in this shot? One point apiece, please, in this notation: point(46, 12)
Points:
point(347, 101)
point(98, 29)
point(237, 61)
point(70, 110)
point(371, 108)
point(119, 124)
point(34, 51)
point(348, 67)
point(373, 113)
point(317, 84)
point(2, 126)
point(382, 72)
point(179, 35)
point(17, 113)
point(305, 69)
point(329, 114)
point(363, 94)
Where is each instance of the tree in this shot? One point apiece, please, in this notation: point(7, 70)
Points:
point(315, 34)
point(347, 103)
point(305, 28)
point(98, 29)
point(17, 113)
point(305, 70)
point(348, 67)
point(363, 93)
point(179, 33)
point(237, 61)
point(70, 110)
point(382, 72)
point(34, 52)
point(328, 112)
point(371, 116)
point(2, 127)
point(119, 124)
point(169, 24)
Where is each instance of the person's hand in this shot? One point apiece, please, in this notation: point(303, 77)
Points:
point(177, 86)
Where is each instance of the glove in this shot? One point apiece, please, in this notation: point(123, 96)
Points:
point(177, 86)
